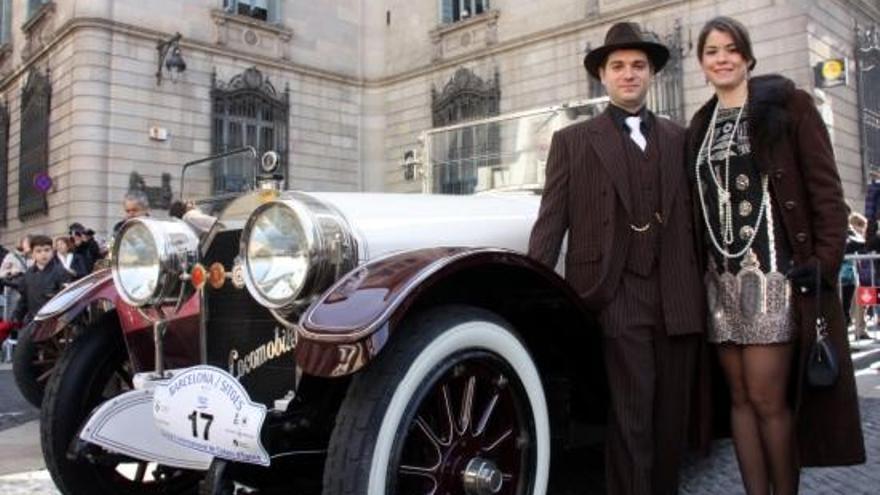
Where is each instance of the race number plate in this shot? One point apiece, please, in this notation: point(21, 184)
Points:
point(206, 409)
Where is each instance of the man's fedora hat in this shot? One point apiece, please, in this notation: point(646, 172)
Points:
point(626, 35)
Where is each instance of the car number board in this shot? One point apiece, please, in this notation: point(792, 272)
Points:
point(206, 409)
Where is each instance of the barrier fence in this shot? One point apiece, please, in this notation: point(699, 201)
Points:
point(859, 285)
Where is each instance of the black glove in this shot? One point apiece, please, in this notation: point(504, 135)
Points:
point(804, 277)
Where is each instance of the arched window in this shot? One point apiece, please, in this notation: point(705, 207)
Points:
point(666, 96)
point(868, 70)
point(465, 97)
point(34, 147)
point(4, 161)
point(247, 111)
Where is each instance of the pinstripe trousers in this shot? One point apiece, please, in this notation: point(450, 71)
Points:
point(649, 374)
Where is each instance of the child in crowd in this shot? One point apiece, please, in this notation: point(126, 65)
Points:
point(41, 281)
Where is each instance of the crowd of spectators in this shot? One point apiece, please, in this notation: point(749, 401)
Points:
point(39, 265)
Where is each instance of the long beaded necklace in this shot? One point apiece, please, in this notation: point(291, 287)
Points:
point(725, 203)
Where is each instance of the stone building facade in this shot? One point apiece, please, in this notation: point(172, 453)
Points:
point(360, 79)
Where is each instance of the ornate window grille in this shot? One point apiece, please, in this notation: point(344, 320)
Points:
point(34, 147)
point(666, 96)
point(867, 55)
point(465, 97)
point(459, 10)
point(247, 111)
point(4, 161)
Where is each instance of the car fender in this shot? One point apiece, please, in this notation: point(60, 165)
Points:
point(73, 300)
point(350, 323)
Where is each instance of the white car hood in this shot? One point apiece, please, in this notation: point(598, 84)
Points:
point(386, 223)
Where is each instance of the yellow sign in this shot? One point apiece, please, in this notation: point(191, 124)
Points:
point(830, 73)
point(832, 69)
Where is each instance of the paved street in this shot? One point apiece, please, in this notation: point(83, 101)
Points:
point(21, 464)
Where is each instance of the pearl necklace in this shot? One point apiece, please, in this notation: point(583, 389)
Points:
point(725, 204)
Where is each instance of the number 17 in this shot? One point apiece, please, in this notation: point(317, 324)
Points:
point(193, 418)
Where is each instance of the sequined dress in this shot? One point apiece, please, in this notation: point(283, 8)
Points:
point(749, 297)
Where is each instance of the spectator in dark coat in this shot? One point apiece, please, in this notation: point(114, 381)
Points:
point(41, 281)
point(85, 245)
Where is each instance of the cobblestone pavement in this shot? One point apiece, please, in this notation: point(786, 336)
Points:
point(716, 474)
point(14, 410)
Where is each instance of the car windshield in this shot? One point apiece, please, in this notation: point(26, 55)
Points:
point(213, 181)
point(507, 152)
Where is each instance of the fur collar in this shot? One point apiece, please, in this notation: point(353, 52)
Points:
point(768, 118)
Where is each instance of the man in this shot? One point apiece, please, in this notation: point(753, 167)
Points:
point(135, 204)
point(41, 281)
point(85, 245)
point(617, 185)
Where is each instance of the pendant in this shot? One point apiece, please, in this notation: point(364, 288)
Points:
point(751, 287)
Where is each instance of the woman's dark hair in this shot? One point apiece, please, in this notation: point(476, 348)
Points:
point(735, 30)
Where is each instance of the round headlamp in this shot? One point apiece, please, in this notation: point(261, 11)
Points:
point(149, 257)
point(293, 247)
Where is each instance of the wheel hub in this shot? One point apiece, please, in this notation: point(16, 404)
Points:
point(481, 477)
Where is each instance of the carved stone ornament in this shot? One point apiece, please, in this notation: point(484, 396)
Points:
point(159, 196)
point(251, 35)
point(466, 36)
point(465, 96)
point(251, 79)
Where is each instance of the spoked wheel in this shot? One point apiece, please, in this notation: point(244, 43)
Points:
point(469, 432)
point(94, 369)
point(453, 405)
point(35, 362)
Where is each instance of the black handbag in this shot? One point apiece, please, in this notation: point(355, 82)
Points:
point(822, 365)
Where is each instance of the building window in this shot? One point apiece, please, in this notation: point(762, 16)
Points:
point(5, 21)
point(459, 10)
point(868, 79)
point(4, 161)
point(247, 111)
point(264, 10)
point(460, 153)
point(34, 147)
point(666, 95)
point(34, 6)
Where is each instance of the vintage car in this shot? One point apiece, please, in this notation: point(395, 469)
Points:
point(333, 343)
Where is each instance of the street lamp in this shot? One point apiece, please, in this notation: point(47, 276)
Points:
point(169, 54)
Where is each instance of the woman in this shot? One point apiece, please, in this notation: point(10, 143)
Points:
point(770, 205)
point(72, 262)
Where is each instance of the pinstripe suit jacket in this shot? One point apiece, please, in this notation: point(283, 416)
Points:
point(587, 195)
